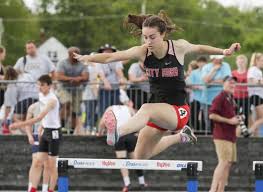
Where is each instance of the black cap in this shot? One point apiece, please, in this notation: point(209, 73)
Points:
point(107, 46)
point(228, 78)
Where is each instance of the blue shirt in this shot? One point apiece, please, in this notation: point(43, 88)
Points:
point(196, 79)
point(211, 91)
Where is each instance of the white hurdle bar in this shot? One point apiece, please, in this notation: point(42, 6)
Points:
point(258, 170)
point(192, 168)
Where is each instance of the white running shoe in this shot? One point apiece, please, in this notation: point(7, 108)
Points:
point(110, 122)
point(187, 135)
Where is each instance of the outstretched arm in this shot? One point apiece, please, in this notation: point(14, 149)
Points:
point(132, 53)
point(206, 49)
point(50, 105)
point(213, 50)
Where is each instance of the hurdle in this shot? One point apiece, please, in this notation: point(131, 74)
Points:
point(258, 171)
point(191, 167)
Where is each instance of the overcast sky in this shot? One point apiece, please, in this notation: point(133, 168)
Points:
point(242, 4)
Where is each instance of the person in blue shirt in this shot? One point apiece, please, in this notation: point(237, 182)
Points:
point(197, 86)
point(213, 74)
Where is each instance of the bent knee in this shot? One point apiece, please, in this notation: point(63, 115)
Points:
point(146, 107)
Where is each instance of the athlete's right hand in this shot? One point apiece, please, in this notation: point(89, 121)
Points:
point(81, 58)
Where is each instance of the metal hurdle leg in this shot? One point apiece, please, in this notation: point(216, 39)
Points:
point(259, 177)
point(63, 181)
point(192, 183)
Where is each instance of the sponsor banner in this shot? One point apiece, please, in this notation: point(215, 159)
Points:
point(130, 164)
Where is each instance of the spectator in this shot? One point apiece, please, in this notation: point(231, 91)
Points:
point(50, 139)
point(241, 91)
point(2, 58)
point(72, 74)
point(18, 96)
point(213, 74)
point(34, 63)
point(140, 87)
point(255, 77)
point(111, 74)
point(8, 107)
point(33, 139)
point(90, 99)
point(191, 66)
point(124, 148)
point(32, 66)
point(223, 114)
point(197, 87)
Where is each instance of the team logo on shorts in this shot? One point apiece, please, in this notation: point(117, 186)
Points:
point(182, 113)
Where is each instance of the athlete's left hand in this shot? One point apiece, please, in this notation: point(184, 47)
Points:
point(233, 48)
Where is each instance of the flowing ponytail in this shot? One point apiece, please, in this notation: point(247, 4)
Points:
point(135, 23)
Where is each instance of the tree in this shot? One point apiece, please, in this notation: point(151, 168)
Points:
point(90, 24)
point(20, 25)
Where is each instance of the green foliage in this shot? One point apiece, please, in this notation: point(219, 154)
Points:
point(20, 26)
point(90, 24)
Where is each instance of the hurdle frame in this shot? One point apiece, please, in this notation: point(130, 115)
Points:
point(192, 168)
point(258, 172)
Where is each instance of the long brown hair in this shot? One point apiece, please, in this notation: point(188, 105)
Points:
point(10, 73)
point(135, 23)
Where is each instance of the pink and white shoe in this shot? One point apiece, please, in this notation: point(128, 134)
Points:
point(110, 122)
point(187, 135)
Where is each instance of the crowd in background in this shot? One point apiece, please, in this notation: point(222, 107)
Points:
point(85, 91)
point(206, 81)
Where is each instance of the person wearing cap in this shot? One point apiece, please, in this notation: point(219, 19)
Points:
point(213, 74)
point(225, 120)
point(111, 75)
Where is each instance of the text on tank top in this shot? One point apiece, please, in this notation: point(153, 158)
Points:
point(166, 77)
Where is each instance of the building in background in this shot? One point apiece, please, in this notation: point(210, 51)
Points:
point(54, 49)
